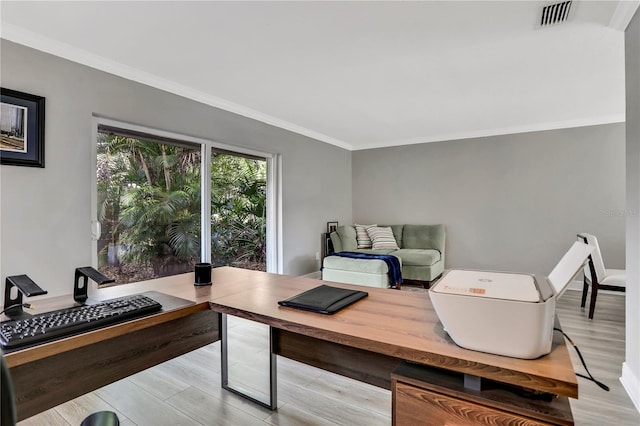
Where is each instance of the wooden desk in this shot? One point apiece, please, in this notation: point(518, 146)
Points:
point(367, 341)
point(371, 338)
point(52, 373)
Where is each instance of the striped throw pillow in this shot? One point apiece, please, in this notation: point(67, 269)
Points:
point(362, 238)
point(382, 238)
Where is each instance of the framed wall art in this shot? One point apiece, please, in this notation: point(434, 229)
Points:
point(21, 129)
point(332, 227)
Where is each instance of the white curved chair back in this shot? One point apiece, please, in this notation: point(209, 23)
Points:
point(598, 263)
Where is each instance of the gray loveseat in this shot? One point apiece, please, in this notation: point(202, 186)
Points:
point(421, 249)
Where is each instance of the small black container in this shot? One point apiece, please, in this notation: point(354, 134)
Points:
point(203, 274)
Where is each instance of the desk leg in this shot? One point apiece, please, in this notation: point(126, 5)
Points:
point(272, 404)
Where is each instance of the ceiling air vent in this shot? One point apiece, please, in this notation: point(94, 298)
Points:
point(555, 13)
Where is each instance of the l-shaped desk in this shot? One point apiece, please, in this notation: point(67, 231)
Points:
point(391, 339)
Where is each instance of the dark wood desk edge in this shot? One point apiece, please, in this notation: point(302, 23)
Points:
point(44, 350)
point(499, 374)
point(116, 352)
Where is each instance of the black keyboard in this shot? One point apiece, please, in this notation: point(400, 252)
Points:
point(65, 322)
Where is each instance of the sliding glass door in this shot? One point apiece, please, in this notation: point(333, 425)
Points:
point(163, 202)
point(238, 211)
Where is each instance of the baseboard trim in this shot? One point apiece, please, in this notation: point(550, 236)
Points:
point(631, 384)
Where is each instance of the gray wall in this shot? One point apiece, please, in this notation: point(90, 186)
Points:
point(631, 368)
point(45, 213)
point(512, 202)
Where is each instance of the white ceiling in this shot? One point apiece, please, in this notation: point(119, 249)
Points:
point(355, 74)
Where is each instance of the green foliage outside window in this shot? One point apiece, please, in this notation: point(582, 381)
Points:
point(149, 207)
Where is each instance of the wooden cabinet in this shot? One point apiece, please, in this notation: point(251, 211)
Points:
point(428, 396)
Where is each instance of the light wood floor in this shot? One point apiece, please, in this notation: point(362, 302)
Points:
point(186, 390)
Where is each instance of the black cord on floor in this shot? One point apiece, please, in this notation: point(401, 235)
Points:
point(24, 305)
point(584, 364)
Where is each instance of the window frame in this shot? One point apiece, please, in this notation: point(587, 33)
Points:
point(273, 201)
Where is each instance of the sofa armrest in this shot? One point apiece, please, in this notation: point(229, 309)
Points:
point(347, 236)
point(336, 241)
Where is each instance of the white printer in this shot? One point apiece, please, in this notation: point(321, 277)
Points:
point(505, 313)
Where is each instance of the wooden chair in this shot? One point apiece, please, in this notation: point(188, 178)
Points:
point(597, 276)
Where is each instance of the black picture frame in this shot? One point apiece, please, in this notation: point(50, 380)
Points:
point(331, 227)
point(21, 129)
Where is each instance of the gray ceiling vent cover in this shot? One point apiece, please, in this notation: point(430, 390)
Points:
point(555, 13)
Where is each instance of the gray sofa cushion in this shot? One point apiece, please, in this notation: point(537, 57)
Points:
point(418, 257)
point(423, 236)
point(348, 238)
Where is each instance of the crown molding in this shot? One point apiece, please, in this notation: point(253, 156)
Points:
point(623, 14)
point(36, 41)
point(537, 127)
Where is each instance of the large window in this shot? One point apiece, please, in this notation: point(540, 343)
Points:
point(148, 207)
point(151, 198)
